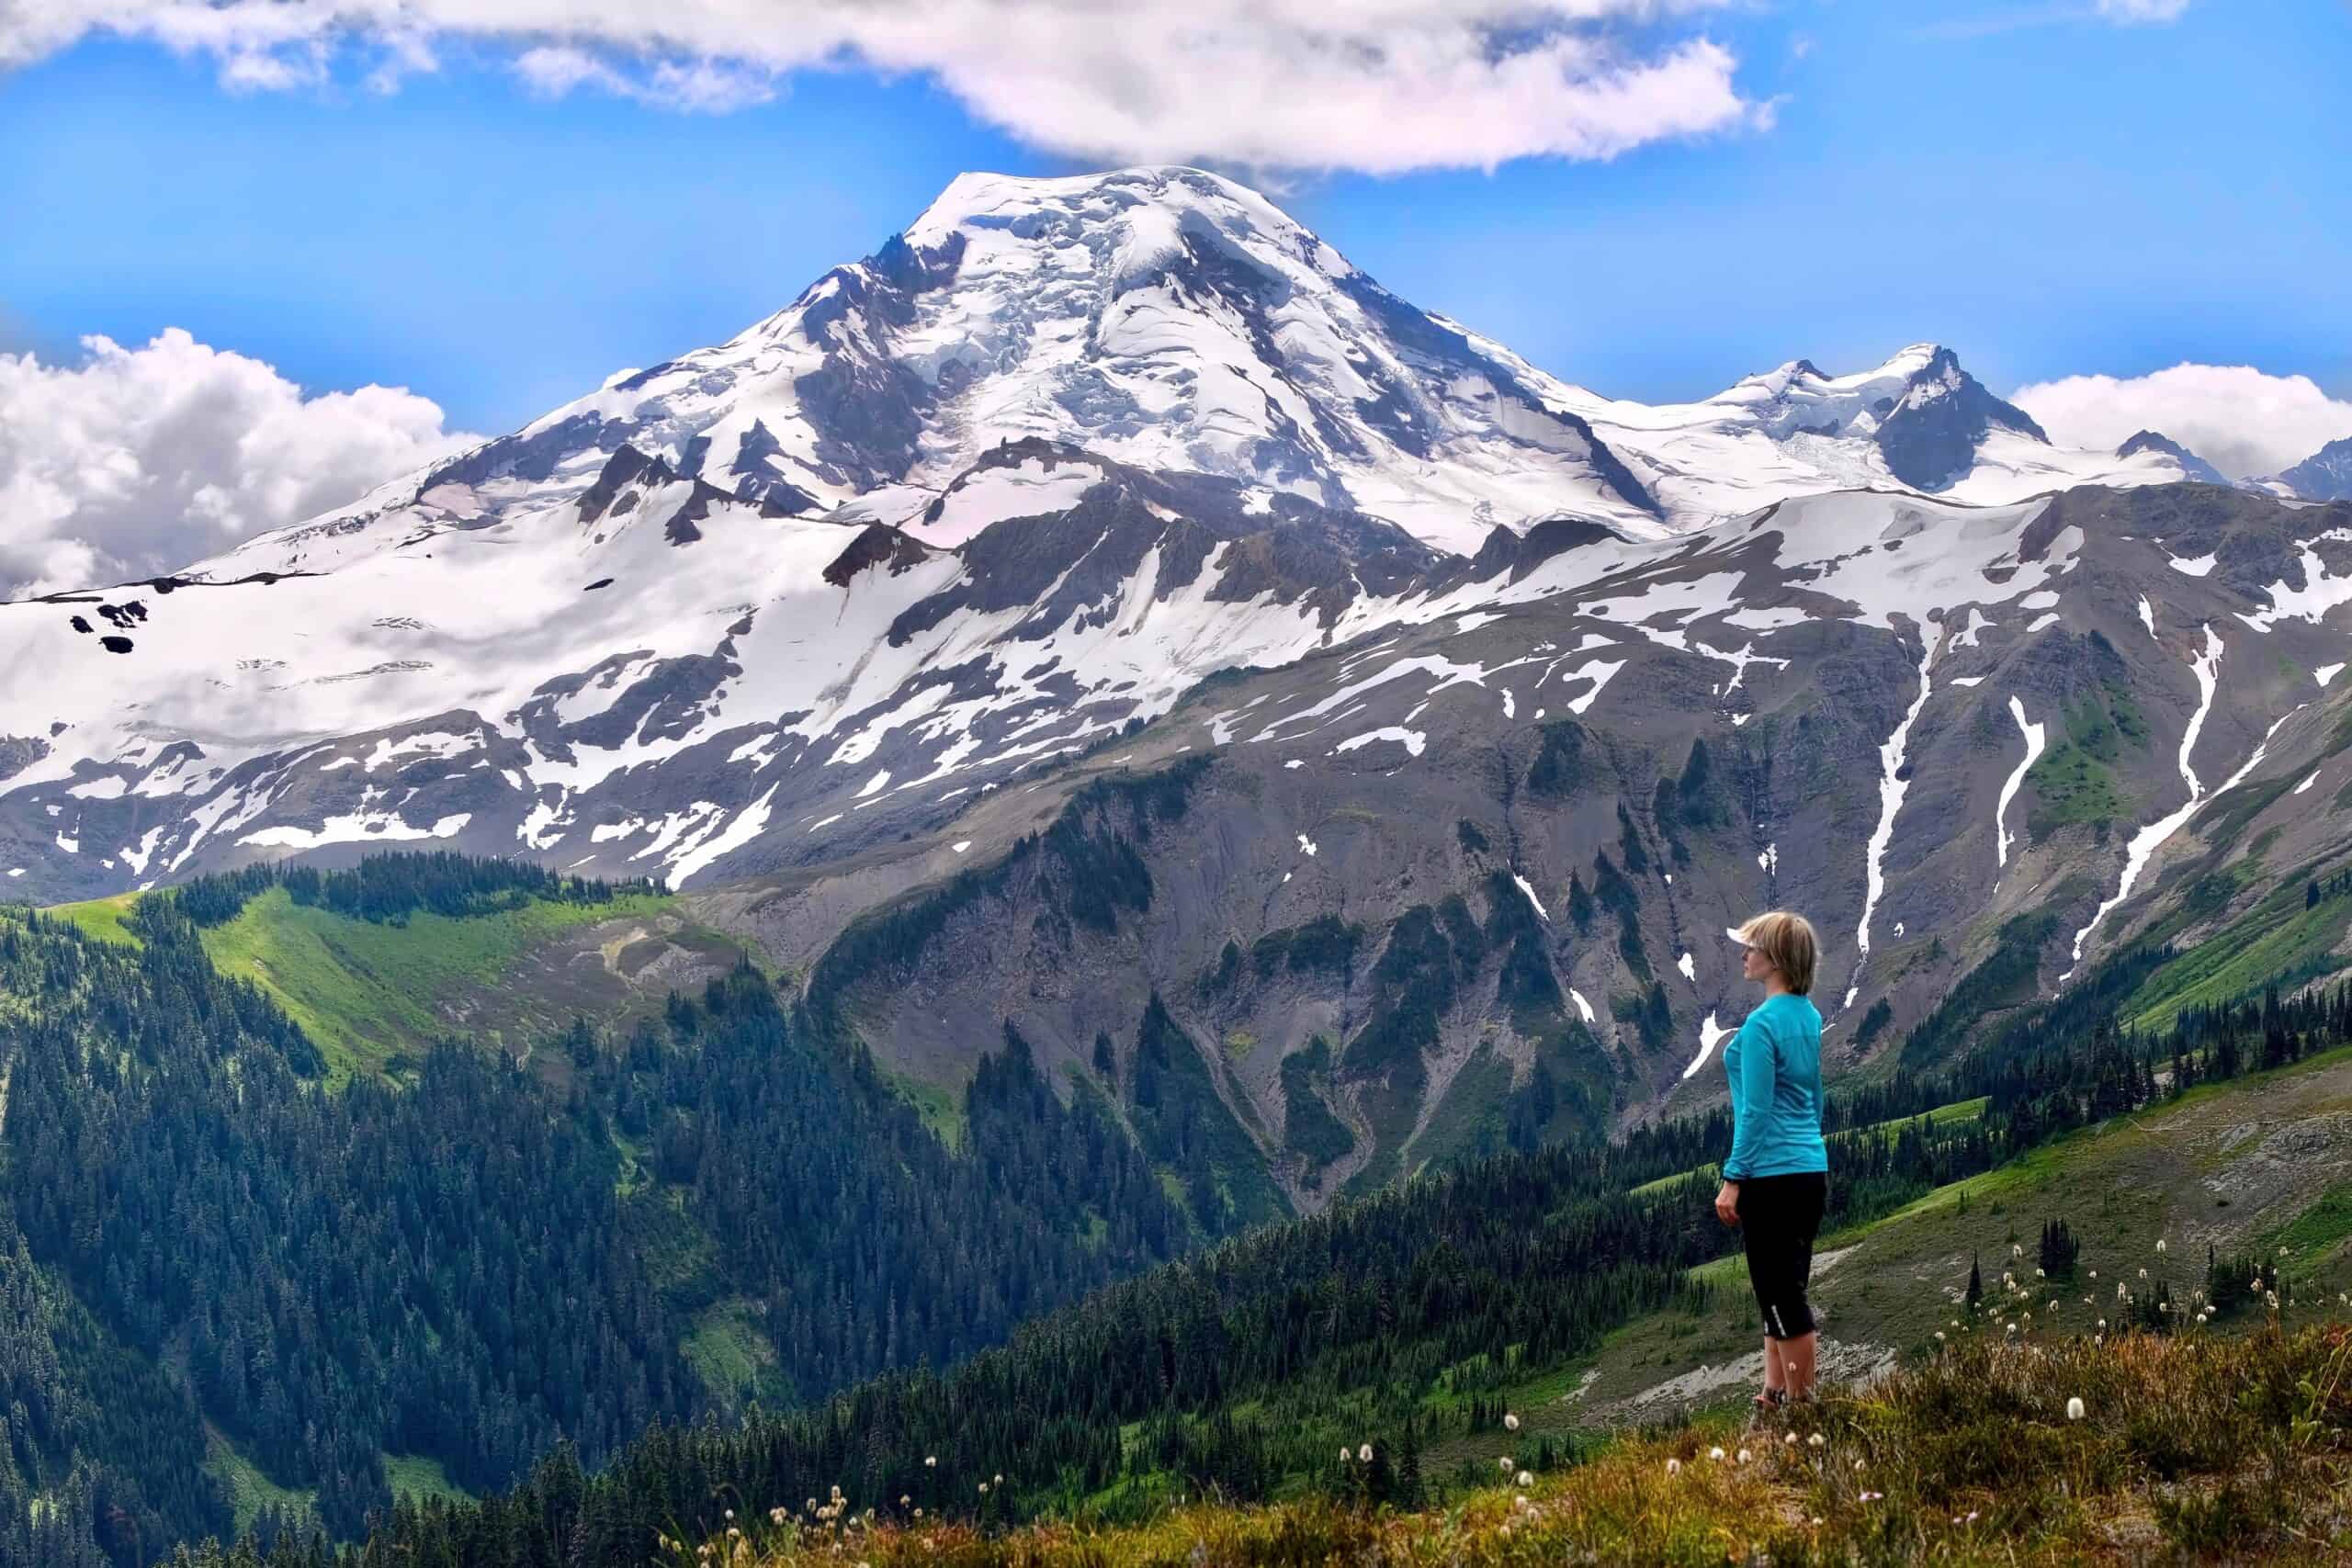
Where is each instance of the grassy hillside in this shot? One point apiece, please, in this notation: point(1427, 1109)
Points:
point(2194, 1446)
point(368, 992)
point(2244, 1167)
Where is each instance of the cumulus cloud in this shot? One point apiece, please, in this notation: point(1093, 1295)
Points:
point(139, 460)
point(1377, 85)
point(2234, 416)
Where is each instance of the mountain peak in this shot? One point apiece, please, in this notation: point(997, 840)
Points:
point(2191, 466)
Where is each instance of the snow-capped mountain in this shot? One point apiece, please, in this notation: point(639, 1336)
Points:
point(874, 593)
point(2325, 475)
point(1171, 320)
point(2192, 467)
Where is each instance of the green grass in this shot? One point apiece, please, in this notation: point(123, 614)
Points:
point(2071, 786)
point(733, 1359)
point(250, 1491)
point(2316, 1235)
point(417, 1477)
point(2277, 936)
point(100, 919)
point(941, 1108)
point(365, 992)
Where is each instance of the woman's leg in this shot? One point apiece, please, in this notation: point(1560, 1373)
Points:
point(1799, 1351)
point(1760, 1237)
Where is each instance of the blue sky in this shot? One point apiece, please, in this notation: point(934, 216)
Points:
point(2046, 190)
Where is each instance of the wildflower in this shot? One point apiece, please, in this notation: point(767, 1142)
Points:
point(1364, 1453)
point(1674, 1467)
point(999, 1478)
point(2160, 1243)
point(1504, 1532)
point(1790, 1440)
point(2039, 1275)
point(1816, 1440)
point(1857, 1466)
point(1526, 1479)
point(1816, 1522)
point(984, 1488)
point(1346, 1453)
point(2074, 1408)
point(2017, 1250)
point(775, 1516)
point(930, 1462)
point(1511, 1423)
point(2271, 1298)
point(1716, 1454)
point(918, 1513)
point(1873, 1496)
point(2102, 1325)
point(2094, 1273)
point(1503, 1463)
point(1744, 1456)
point(2013, 1329)
point(2053, 1303)
point(730, 1514)
point(2144, 1273)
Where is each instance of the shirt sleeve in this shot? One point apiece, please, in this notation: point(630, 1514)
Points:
point(1751, 1097)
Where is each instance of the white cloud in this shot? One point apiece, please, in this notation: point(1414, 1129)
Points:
point(139, 460)
point(2234, 416)
point(2139, 11)
point(1379, 85)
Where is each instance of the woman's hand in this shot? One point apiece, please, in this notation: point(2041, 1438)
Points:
point(1727, 1203)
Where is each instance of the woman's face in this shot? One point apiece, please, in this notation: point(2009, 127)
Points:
point(1754, 965)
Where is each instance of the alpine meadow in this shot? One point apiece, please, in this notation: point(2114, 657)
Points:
point(1104, 896)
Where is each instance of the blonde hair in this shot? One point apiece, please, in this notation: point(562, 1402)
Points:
point(1786, 939)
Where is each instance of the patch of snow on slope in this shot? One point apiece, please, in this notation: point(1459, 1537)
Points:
point(745, 827)
point(2034, 735)
point(1584, 1007)
point(2207, 667)
point(2147, 615)
point(2193, 566)
point(2309, 779)
point(1528, 888)
point(1413, 740)
point(1690, 970)
point(356, 828)
point(1891, 790)
point(2327, 673)
point(1710, 1034)
point(1599, 673)
point(2312, 602)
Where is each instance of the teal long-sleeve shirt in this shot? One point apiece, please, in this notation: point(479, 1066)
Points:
point(1774, 1065)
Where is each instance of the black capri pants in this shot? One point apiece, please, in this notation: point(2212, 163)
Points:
point(1779, 1217)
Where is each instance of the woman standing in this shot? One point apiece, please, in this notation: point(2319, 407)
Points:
point(1776, 1177)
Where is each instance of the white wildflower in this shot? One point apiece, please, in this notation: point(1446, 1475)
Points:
point(2074, 1408)
point(1716, 1454)
point(1364, 1453)
point(1526, 1478)
point(1674, 1467)
point(1511, 1423)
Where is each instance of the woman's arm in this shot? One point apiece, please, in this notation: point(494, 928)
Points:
point(1751, 1098)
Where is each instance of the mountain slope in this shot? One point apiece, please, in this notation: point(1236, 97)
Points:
point(2325, 475)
